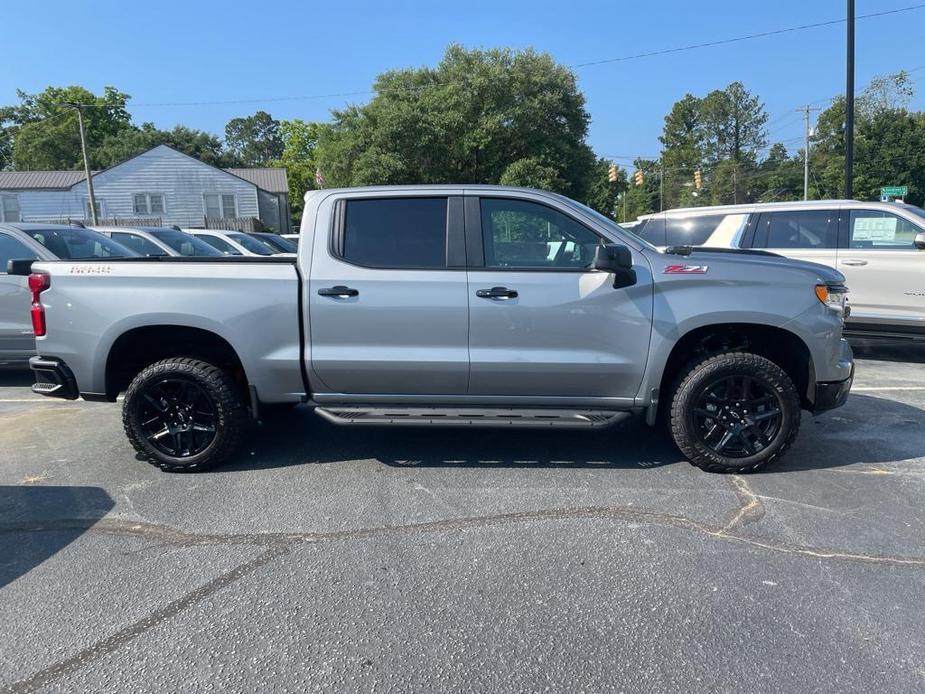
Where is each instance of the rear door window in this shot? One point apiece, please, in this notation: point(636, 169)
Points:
point(880, 230)
point(691, 231)
point(804, 229)
point(395, 233)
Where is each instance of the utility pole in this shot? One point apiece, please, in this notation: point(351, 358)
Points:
point(83, 147)
point(849, 105)
point(806, 111)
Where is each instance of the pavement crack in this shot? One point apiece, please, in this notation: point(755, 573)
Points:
point(750, 510)
point(132, 631)
point(279, 544)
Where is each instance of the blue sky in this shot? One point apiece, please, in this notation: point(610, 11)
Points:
point(168, 52)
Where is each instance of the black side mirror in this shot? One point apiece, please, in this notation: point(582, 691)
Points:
point(618, 260)
point(919, 241)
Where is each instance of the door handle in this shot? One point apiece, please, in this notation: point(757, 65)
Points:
point(496, 293)
point(854, 262)
point(339, 290)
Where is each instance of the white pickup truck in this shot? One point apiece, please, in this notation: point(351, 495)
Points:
point(449, 305)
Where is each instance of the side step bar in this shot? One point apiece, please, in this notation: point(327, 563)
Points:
point(473, 416)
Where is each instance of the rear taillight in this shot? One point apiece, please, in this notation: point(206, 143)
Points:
point(38, 283)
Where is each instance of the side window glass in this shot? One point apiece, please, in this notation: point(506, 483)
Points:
point(220, 244)
point(138, 244)
point(807, 229)
point(519, 233)
point(396, 233)
point(653, 231)
point(691, 231)
point(11, 249)
point(876, 229)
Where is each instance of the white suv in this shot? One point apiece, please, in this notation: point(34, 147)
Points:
point(878, 246)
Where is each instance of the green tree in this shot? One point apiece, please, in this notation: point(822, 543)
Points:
point(196, 143)
point(603, 195)
point(643, 199)
point(475, 118)
point(734, 132)
point(889, 143)
point(682, 141)
point(254, 140)
point(44, 129)
point(300, 138)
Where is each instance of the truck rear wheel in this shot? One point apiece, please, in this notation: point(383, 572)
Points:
point(734, 412)
point(184, 415)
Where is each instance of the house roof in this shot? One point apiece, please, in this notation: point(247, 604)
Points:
point(271, 180)
point(39, 180)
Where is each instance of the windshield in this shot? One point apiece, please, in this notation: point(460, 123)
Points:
point(607, 221)
point(252, 244)
point(75, 244)
point(278, 242)
point(184, 244)
point(917, 211)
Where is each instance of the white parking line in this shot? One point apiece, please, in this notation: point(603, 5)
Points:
point(25, 400)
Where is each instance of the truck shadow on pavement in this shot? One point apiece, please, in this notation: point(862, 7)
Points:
point(16, 378)
point(908, 351)
point(275, 444)
point(37, 522)
point(867, 430)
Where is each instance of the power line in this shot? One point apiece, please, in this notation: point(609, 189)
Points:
point(637, 56)
point(747, 37)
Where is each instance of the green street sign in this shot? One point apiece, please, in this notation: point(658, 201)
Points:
point(895, 191)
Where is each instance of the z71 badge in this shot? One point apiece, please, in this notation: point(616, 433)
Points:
point(686, 269)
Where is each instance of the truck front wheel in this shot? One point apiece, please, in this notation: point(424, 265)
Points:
point(734, 412)
point(184, 415)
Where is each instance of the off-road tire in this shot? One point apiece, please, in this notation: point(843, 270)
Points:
point(697, 377)
point(230, 416)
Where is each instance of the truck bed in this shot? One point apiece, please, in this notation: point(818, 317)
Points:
point(250, 302)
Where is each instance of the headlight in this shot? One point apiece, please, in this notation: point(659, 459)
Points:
point(835, 296)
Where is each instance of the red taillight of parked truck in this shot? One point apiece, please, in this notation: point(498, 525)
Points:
point(38, 283)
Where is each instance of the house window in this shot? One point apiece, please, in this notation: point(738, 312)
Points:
point(220, 205)
point(99, 209)
point(9, 208)
point(148, 203)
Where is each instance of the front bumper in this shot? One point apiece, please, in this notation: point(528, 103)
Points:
point(53, 378)
point(832, 394)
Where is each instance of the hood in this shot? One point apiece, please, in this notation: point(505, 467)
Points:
point(761, 258)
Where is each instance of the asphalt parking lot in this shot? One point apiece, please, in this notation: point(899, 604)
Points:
point(430, 560)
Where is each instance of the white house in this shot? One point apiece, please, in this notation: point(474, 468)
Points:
point(161, 184)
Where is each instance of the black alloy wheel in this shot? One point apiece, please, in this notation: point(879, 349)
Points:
point(177, 417)
point(737, 416)
point(184, 414)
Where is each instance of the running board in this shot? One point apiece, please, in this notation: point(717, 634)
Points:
point(472, 416)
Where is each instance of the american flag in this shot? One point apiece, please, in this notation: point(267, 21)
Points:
point(319, 179)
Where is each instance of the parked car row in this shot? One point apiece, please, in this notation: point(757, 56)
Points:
point(24, 241)
point(878, 246)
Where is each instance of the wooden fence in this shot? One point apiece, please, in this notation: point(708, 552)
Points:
point(102, 221)
point(236, 223)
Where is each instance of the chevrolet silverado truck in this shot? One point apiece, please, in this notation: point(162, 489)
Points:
point(450, 306)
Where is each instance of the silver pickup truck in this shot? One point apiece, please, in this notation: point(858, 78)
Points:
point(449, 305)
